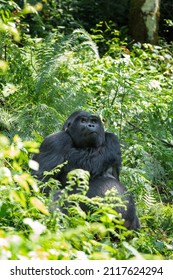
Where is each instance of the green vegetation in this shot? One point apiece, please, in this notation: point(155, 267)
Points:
point(42, 80)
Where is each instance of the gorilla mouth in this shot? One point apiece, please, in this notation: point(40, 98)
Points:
point(93, 132)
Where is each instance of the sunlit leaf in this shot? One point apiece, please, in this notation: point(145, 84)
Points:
point(39, 205)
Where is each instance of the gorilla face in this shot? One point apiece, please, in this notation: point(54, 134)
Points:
point(86, 130)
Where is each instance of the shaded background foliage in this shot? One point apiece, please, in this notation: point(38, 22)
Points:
point(67, 15)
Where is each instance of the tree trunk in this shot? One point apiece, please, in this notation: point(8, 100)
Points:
point(143, 20)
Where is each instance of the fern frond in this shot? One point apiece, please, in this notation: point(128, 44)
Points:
point(40, 117)
point(83, 34)
point(149, 198)
point(6, 120)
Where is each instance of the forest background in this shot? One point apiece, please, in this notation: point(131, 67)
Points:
point(57, 57)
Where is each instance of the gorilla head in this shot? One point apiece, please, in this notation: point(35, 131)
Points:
point(85, 130)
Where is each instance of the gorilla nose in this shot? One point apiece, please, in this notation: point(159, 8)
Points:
point(91, 125)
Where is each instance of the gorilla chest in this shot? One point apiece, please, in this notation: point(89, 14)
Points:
point(95, 160)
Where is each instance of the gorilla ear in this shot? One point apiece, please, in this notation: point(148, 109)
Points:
point(66, 126)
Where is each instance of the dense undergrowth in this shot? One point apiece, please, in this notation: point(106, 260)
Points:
point(41, 83)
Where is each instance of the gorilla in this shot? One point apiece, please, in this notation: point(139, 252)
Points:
point(84, 144)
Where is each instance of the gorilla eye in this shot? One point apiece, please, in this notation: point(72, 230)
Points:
point(83, 120)
point(94, 121)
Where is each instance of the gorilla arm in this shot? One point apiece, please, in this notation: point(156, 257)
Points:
point(113, 154)
point(52, 152)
